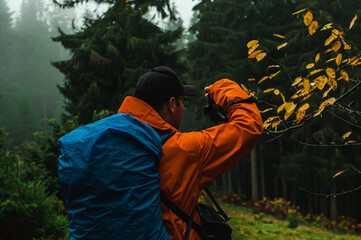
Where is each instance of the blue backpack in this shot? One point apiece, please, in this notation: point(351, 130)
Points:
point(109, 177)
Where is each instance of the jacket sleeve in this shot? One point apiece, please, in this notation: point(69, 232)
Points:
point(224, 145)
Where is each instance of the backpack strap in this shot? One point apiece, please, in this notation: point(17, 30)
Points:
point(164, 135)
point(221, 212)
point(179, 212)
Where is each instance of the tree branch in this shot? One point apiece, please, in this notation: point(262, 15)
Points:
point(325, 145)
point(330, 195)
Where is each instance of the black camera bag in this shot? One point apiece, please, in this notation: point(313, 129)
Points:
point(213, 224)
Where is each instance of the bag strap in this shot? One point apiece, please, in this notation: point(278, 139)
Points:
point(179, 212)
point(165, 135)
point(189, 224)
point(220, 210)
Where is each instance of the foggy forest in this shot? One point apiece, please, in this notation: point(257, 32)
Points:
point(61, 69)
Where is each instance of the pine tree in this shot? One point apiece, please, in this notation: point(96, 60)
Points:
point(6, 48)
point(108, 56)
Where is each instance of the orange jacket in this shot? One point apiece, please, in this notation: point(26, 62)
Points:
point(190, 161)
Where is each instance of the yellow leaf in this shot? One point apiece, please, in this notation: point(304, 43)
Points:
point(289, 110)
point(297, 81)
point(344, 75)
point(299, 11)
point(308, 18)
point(280, 108)
point(321, 82)
point(349, 142)
point(353, 22)
point(266, 110)
point(245, 89)
point(313, 27)
point(316, 71)
point(301, 112)
point(276, 123)
point(332, 83)
point(353, 61)
point(274, 74)
point(251, 79)
point(306, 85)
point(263, 79)
point(317, 57)
point(329, 60)
point(310, 65)
point(339, 59)
point(276, 92)
point(328, 50)
point(273, 66)
point(281, 46)
point(252, 43)
point(283, 97)
point(329, 101)
point(339, 173)
point(326, 92)
point(260, 56)
point(336, 46)
point(336, 33)
point(266, 125)
point(345, 45)
point(254, 47)
point(304, 107)
point(254, 54)
point(331, 73)
point(269, 90)
point(327, 26)
point(346, 135)
point(270, 119)
point(330, 39)
point(290, 107)
point(279, 36)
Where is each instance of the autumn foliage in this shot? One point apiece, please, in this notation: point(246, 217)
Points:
point(327, 82)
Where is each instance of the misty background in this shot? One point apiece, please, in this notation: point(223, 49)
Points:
point(28, 82)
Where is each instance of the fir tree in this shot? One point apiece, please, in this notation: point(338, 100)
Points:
point(108, 56)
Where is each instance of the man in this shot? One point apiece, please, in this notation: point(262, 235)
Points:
point(109, 172)
point(190, 161)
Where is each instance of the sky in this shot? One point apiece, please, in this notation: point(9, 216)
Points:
point(184, 8)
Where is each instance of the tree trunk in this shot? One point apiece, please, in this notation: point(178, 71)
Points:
point(224, 182)
point(254, 176)
point(284, 188)
point(230, 185)
point(262, 172)
point(333, 204)
point(262, 179)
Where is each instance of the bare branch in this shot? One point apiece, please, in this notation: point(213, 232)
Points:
point(325, 145)
point(344, 120)
point(330, 195)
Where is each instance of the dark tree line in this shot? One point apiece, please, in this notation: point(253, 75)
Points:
point(100, 65)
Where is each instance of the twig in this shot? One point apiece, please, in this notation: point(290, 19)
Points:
point(330, 195)
point(344, 120)
point(325, 145)
point(310, 116)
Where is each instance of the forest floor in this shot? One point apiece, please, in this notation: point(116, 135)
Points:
point(248, 224)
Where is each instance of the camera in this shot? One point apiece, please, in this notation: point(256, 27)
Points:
point(215, 112)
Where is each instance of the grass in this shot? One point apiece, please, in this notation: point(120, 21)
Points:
point(246, 224)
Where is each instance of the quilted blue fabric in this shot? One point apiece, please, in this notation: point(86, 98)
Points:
point(109, 176)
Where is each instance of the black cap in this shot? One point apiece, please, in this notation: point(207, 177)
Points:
point(161, 83)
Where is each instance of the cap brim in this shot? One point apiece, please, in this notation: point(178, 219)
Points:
point(190, 90)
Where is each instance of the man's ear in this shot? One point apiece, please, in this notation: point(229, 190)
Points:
point(172, 104)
